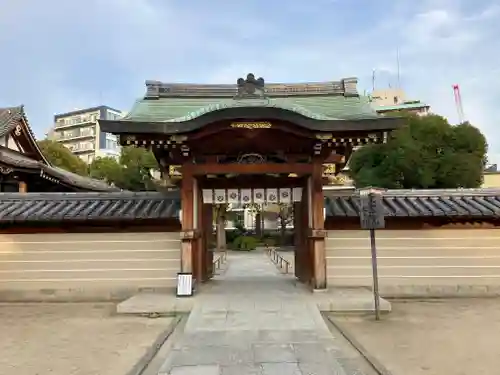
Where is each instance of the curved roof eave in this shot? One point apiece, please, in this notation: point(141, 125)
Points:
point(250, 113)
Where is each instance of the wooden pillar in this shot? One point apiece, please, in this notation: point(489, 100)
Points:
point(208, 258)
point(298, 236)
point(317, 234)
point(305, 257)
point(188, 234)
point(23, 187)
point(198, 248)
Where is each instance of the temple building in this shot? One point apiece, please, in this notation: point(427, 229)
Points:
point(23, 167)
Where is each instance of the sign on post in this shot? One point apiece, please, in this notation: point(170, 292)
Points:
point(184, 284)
point(372, 209)
point(372, 217)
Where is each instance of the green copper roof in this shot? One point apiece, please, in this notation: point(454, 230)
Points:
point(332, 107)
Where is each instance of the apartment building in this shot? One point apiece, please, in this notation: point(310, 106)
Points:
point(80, 132)
point(394, 100)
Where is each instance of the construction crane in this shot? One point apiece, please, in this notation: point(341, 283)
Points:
point(458, 104)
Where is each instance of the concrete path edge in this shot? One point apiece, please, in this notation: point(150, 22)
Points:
point(150, 353)
point(374, 362)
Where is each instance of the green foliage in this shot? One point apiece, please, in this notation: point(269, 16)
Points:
point(271, 241)
point(428, 153)
point(245, 243)
point(106, 168)
point(231, 235)
point(61, 157)
point(130, 172)
point(139, 157)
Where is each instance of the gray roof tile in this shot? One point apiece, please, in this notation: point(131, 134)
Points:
point(54, 207)
point(421, 203)
point(15, 159)
point(9, 118)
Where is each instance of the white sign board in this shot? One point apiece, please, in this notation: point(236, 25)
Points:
point(184, 284)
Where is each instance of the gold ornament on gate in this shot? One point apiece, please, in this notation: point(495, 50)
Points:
point(251, 125)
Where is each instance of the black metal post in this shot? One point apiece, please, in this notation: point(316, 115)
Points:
point(375, 274)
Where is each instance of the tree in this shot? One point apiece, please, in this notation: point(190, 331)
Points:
point(60, 156)
point(428, 153)
point(220, 212)
point(132, 171)
point(137, 164)
point(284, 213)
point(106, 168)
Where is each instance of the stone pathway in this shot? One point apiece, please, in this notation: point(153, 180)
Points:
point(254, 320)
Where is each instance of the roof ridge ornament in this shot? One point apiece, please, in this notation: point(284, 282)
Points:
point(250, 88)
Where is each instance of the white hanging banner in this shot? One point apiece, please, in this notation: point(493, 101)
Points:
point(208, 196)
point(220, 196)
point(259, 196)
point(285, 195)
point(296, 194)
point(233, 196)
point(246, 196)
point(271, 196)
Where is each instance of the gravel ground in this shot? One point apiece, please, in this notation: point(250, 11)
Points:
point(437, 337)
point(72, 339)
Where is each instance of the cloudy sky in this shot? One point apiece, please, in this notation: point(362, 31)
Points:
point(58, 55)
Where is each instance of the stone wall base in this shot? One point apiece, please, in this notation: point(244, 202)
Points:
point(77, 295)
point(439, 291)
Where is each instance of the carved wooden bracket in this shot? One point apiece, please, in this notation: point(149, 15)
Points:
point(5, 170)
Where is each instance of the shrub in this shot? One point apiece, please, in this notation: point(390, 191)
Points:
point(244, 243)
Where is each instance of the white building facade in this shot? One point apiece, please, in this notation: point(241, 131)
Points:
point(79, 131)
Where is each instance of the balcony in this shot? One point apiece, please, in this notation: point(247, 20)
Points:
point(76, 122)
point(82, 150)
point(65, 138)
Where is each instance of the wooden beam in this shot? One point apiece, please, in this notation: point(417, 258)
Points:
point(225, 126)
point(278, 168)
point(249, 181)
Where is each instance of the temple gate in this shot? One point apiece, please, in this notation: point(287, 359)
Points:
point(252, 141)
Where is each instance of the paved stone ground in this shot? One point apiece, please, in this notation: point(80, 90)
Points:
point(254, 320)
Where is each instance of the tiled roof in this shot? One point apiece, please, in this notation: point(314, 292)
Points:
point(9, 118)
point(17, 160)
point(13, 116)
point(330, 107)
point(422, 203)
point(55, 207)
point(181, 108)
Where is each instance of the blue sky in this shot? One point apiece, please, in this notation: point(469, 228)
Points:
point(58, 55)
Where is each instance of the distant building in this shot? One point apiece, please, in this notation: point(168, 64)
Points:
point(79, 131)
point(394, 100)
point(491, 177)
